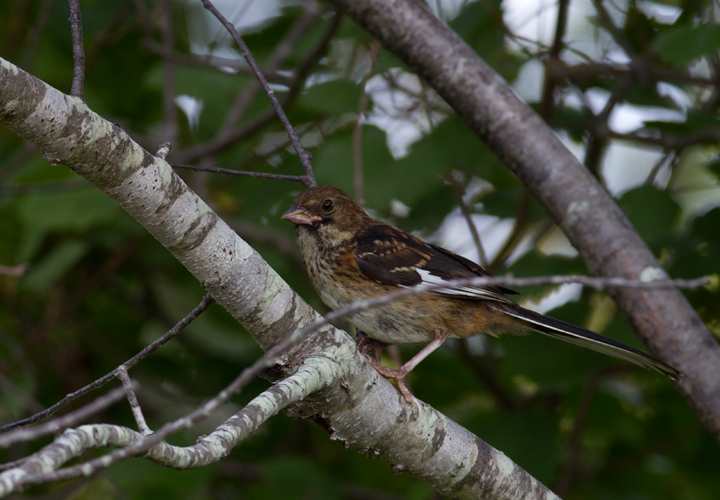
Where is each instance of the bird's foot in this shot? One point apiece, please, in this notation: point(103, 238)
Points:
point(402, 372)
point(367, 345)
point(396, 375)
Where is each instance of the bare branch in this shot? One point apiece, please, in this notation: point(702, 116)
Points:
point(459, 189)
point(132, 399)
point(582, 74)
point(709, 135)
point(547, 101)
point(282, 51)
point(204, 303)
point(263, 175)
point(206, 60)
point(304, 156)
point(520, 225)
point(73, 418)
point(78, 81)
point(615, 32)
point(229, 137)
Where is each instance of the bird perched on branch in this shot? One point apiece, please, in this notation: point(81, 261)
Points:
point(350, 256)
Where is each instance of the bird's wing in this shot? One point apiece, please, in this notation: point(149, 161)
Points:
point(393, 257)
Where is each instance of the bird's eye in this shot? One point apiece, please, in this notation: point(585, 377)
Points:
point(328, 205)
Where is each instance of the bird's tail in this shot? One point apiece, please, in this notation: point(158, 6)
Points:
point(588, 339)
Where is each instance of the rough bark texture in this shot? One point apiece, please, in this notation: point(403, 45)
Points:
point(359, 407)
point(576, 201)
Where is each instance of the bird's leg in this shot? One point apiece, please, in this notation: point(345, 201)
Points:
point(367, 344)
point(399, 374)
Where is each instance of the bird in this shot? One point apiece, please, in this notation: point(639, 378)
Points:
point(350, 256)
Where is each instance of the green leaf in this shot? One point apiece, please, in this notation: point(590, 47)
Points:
point(680, 45)
point(54, 265)
point(73, 210)
point(333, 97)
point(651, 211)
point(10, 234)
point(714, 167)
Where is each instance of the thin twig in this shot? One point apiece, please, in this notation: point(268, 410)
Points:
point(282, 51)
point(709, 135)
point(547, 101)
point(71, 419)
point(78, 81)
point(132, 399)
point(305, 157)
point(459, 190)
point(145, 19)
point(204, 303)
point(587, 72)
point(615, 32)
point(597, 142)
point(227, 138)
point(295, 178)
point(669, 157)
point(596, 282)
point(209, 61)
point(11, 465)
point(522, 215)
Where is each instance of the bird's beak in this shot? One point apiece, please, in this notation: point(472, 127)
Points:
point(298, 215)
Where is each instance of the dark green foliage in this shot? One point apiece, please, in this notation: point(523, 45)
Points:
point(682, 43)
point(652, 212)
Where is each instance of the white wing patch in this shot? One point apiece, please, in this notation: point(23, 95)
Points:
point(461, 291)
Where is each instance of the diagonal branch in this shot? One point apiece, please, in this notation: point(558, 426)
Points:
point(228, 137)
point(204, 304)
point(305, 157)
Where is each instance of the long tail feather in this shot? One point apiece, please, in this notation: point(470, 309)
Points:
point(589, 339)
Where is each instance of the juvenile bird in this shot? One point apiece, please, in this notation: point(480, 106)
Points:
point(350, 256)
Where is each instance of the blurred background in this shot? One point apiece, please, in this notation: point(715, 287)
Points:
point(632, 88)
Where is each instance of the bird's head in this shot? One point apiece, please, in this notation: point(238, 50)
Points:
point(329, 212)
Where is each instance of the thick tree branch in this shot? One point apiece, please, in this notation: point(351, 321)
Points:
point(573, 198)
